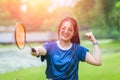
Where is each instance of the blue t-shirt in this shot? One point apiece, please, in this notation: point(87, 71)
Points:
point(63, 64)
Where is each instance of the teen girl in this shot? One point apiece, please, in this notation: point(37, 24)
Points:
point(63, 56)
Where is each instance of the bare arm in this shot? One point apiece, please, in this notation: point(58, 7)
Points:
point(39, 51)
point(95, 58)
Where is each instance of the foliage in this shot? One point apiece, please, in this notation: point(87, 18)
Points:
point(5, 18)
point(115, 21)
point(96, 15)
point(91, 19)
point(102, 17)
point(111, 11)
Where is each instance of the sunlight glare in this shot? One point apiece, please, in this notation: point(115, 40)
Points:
point(23, 8)
point(62, 3)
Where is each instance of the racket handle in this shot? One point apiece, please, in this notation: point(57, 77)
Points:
point(33, 50)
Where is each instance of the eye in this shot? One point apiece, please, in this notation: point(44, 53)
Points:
point(62, 28)
point(70, 30)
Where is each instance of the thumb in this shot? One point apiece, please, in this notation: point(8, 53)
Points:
point(88, 35)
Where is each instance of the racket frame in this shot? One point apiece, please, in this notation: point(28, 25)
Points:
point(17, 25)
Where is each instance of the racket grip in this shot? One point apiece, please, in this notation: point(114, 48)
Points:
point(33, 50)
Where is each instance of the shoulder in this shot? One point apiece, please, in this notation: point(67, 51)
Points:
point(49, 44)
point(79, 47)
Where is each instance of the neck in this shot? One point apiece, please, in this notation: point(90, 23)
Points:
point(64, 44)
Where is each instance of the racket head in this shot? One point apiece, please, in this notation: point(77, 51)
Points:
point(20, 35)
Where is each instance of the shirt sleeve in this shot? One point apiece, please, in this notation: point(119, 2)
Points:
point(82, 53)
point(47, 46)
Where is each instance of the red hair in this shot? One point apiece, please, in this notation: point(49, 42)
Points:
point(75, 38)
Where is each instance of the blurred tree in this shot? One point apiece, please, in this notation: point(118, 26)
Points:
point(82, 11)
point(5, 16)
point(90, 16)
point(100, 15)
point(31, 13)
point(111, 11)
point(114, 17)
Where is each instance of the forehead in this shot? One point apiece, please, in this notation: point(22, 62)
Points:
point(67, 24)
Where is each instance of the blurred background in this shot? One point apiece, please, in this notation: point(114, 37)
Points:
point(42, 18)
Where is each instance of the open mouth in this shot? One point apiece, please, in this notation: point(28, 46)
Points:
point(65, 35)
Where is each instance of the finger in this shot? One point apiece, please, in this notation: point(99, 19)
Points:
point(33, 49)
point(87, 35)
point(34, 53)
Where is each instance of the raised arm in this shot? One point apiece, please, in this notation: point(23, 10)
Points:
point(39, 51)
point(95, 58)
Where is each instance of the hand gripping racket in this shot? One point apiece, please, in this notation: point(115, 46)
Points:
point(20, 38)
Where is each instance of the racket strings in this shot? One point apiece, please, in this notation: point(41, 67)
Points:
point(20, 36)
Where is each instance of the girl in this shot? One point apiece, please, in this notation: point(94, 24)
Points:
point(63, 56)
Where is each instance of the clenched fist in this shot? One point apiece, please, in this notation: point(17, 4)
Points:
point(90, 37)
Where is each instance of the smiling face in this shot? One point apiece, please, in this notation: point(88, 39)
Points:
point(66, 31)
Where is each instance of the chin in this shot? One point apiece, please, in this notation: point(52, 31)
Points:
point(65, 39)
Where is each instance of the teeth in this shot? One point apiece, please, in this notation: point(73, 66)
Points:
point(65, 35)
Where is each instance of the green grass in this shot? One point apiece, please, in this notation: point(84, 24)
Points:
point(109, 70)
point(36, 73)
point(3, 46)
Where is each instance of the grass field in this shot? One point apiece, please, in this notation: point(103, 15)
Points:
point(110, 69)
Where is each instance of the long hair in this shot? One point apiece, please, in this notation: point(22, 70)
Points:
point(75, 38)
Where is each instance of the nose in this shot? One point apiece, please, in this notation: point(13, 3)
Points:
point(66, 30)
